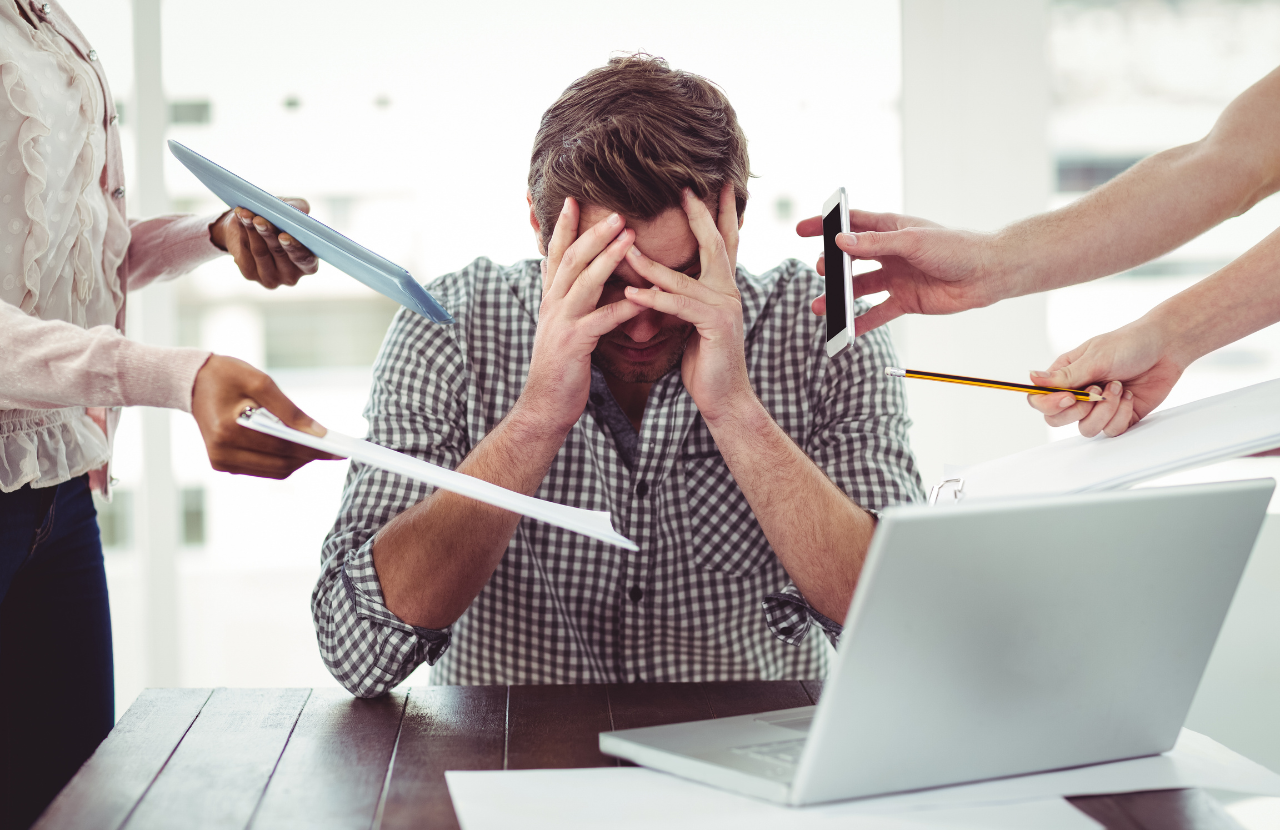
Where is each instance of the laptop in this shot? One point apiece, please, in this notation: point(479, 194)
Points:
point(995, 639)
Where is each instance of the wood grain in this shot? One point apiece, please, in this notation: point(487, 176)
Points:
point(117, 775)
point(557, 727)
point(218, 773)
point(444, 727)
point(750, 697)
point(332, 772)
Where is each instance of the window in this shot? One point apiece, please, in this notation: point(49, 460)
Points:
point(328, 333)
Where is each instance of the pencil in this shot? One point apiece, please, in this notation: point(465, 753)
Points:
point(1078, 394)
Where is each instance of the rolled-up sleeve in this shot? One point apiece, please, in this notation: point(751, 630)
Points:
point(416, 406)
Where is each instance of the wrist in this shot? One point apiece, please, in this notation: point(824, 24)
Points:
point(217, 232)
point(1174, 333)
point(744, 412)
point(533, 424)
point(1009, 265)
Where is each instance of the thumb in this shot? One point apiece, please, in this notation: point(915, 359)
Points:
point(301, 204)
point(274, 401)
point(870, 244)
point(1070, 371)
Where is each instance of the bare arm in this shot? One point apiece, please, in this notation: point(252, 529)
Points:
point(433, 559)
point(1149, 210)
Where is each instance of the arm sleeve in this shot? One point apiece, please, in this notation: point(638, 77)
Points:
point(416, 406)
point(164, 247)
point(47, 364)
point(859, 439)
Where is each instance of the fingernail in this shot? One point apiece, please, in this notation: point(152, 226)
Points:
point(1065, 402)
point(1128, 394)
point(1036, 373)
point(1113, 388)
point(632, 251)
point(284, 240)
point(847, 238)
point(244, 221)
point(565, 207)
point(613, 219)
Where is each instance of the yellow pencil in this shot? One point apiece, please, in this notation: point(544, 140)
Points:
point(1079, 394)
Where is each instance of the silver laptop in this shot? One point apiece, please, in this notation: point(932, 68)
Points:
point(996, 639)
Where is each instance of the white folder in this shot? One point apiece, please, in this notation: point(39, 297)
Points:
point(1219, 428)
point(379, 273)
point(594, 523)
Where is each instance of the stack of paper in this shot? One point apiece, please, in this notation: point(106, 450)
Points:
point(1214, 429)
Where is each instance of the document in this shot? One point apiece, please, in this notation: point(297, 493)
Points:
point(1224, 426)
point(380, 274)
point(594, 523)
point(634, 797)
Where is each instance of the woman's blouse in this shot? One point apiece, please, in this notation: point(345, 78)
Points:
point(68, 256)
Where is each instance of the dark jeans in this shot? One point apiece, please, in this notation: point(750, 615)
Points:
point(57, 689)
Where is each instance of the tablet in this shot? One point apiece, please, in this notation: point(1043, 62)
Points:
point(380, 274)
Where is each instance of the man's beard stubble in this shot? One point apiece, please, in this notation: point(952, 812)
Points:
point(631, 373)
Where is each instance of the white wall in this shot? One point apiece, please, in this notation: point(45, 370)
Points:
point(975, 110)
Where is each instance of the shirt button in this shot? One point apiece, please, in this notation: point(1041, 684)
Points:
point(118, 193)
point(114, 118)
point(46, 8)
point(636, 594)
point(93, 54)
point(642, 489)
point(786, 630)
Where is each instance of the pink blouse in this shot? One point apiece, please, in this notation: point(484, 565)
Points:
point(68, 258)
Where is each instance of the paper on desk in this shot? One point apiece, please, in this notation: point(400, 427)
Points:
point(1224, 426)
point(633, 798)
point(610, 797)
point(594, 523)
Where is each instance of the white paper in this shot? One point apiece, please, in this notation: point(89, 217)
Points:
point(594, 523)
point(633, 798)
point(1214, 429)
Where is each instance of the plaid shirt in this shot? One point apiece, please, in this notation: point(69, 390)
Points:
point(562, 608)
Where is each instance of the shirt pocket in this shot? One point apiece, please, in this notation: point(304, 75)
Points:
point(724, 534)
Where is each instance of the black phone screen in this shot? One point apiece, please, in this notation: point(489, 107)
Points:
point(836, 277)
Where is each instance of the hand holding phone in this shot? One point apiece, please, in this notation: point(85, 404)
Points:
point(835, 219)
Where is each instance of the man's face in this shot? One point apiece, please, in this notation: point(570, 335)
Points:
point(647, 346)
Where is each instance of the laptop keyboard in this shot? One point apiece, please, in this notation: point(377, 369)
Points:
point(777, 752)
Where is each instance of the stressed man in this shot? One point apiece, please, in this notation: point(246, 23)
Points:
point(634, 369)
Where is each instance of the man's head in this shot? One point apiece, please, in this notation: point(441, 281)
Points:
point(628, 138)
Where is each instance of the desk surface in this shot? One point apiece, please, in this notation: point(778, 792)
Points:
point(316, 759)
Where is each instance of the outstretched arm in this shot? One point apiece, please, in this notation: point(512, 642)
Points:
point(1147, 211)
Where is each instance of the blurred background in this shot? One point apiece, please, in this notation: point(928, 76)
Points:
point(408, 126)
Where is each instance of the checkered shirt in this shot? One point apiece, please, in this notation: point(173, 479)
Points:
point(562, 608)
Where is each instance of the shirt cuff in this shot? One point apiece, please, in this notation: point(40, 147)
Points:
point(360, 579)
point(790, 616)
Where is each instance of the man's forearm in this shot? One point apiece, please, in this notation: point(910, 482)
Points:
point(434, 558)
point(1159, 204)
point(1242, 298)
point(818, 533)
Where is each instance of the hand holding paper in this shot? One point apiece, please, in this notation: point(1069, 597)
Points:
point(594, 523)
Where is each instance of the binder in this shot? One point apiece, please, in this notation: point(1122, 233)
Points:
point(379, 273)
point(1230, 425)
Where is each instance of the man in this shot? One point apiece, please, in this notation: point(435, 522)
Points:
point(1151, 209)
point(637, 370)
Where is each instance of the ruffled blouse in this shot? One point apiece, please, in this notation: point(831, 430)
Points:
point(67, 258)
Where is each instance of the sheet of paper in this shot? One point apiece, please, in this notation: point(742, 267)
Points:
point(1224, 426)
point(594, 523)
point(1195, 761)
point(627, 797)
point(632, 798)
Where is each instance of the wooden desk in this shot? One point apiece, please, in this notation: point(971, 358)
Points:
point(316, 759)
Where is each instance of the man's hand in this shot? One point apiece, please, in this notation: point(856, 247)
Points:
point(926, 268)
point(714, 366)
point(1135, 367)
point(224, 387)
point(263, 253)
point(569, 323)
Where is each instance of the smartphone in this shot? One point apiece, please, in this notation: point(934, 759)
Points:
point(835, 219)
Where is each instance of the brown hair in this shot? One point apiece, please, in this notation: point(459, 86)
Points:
point(630, 136)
